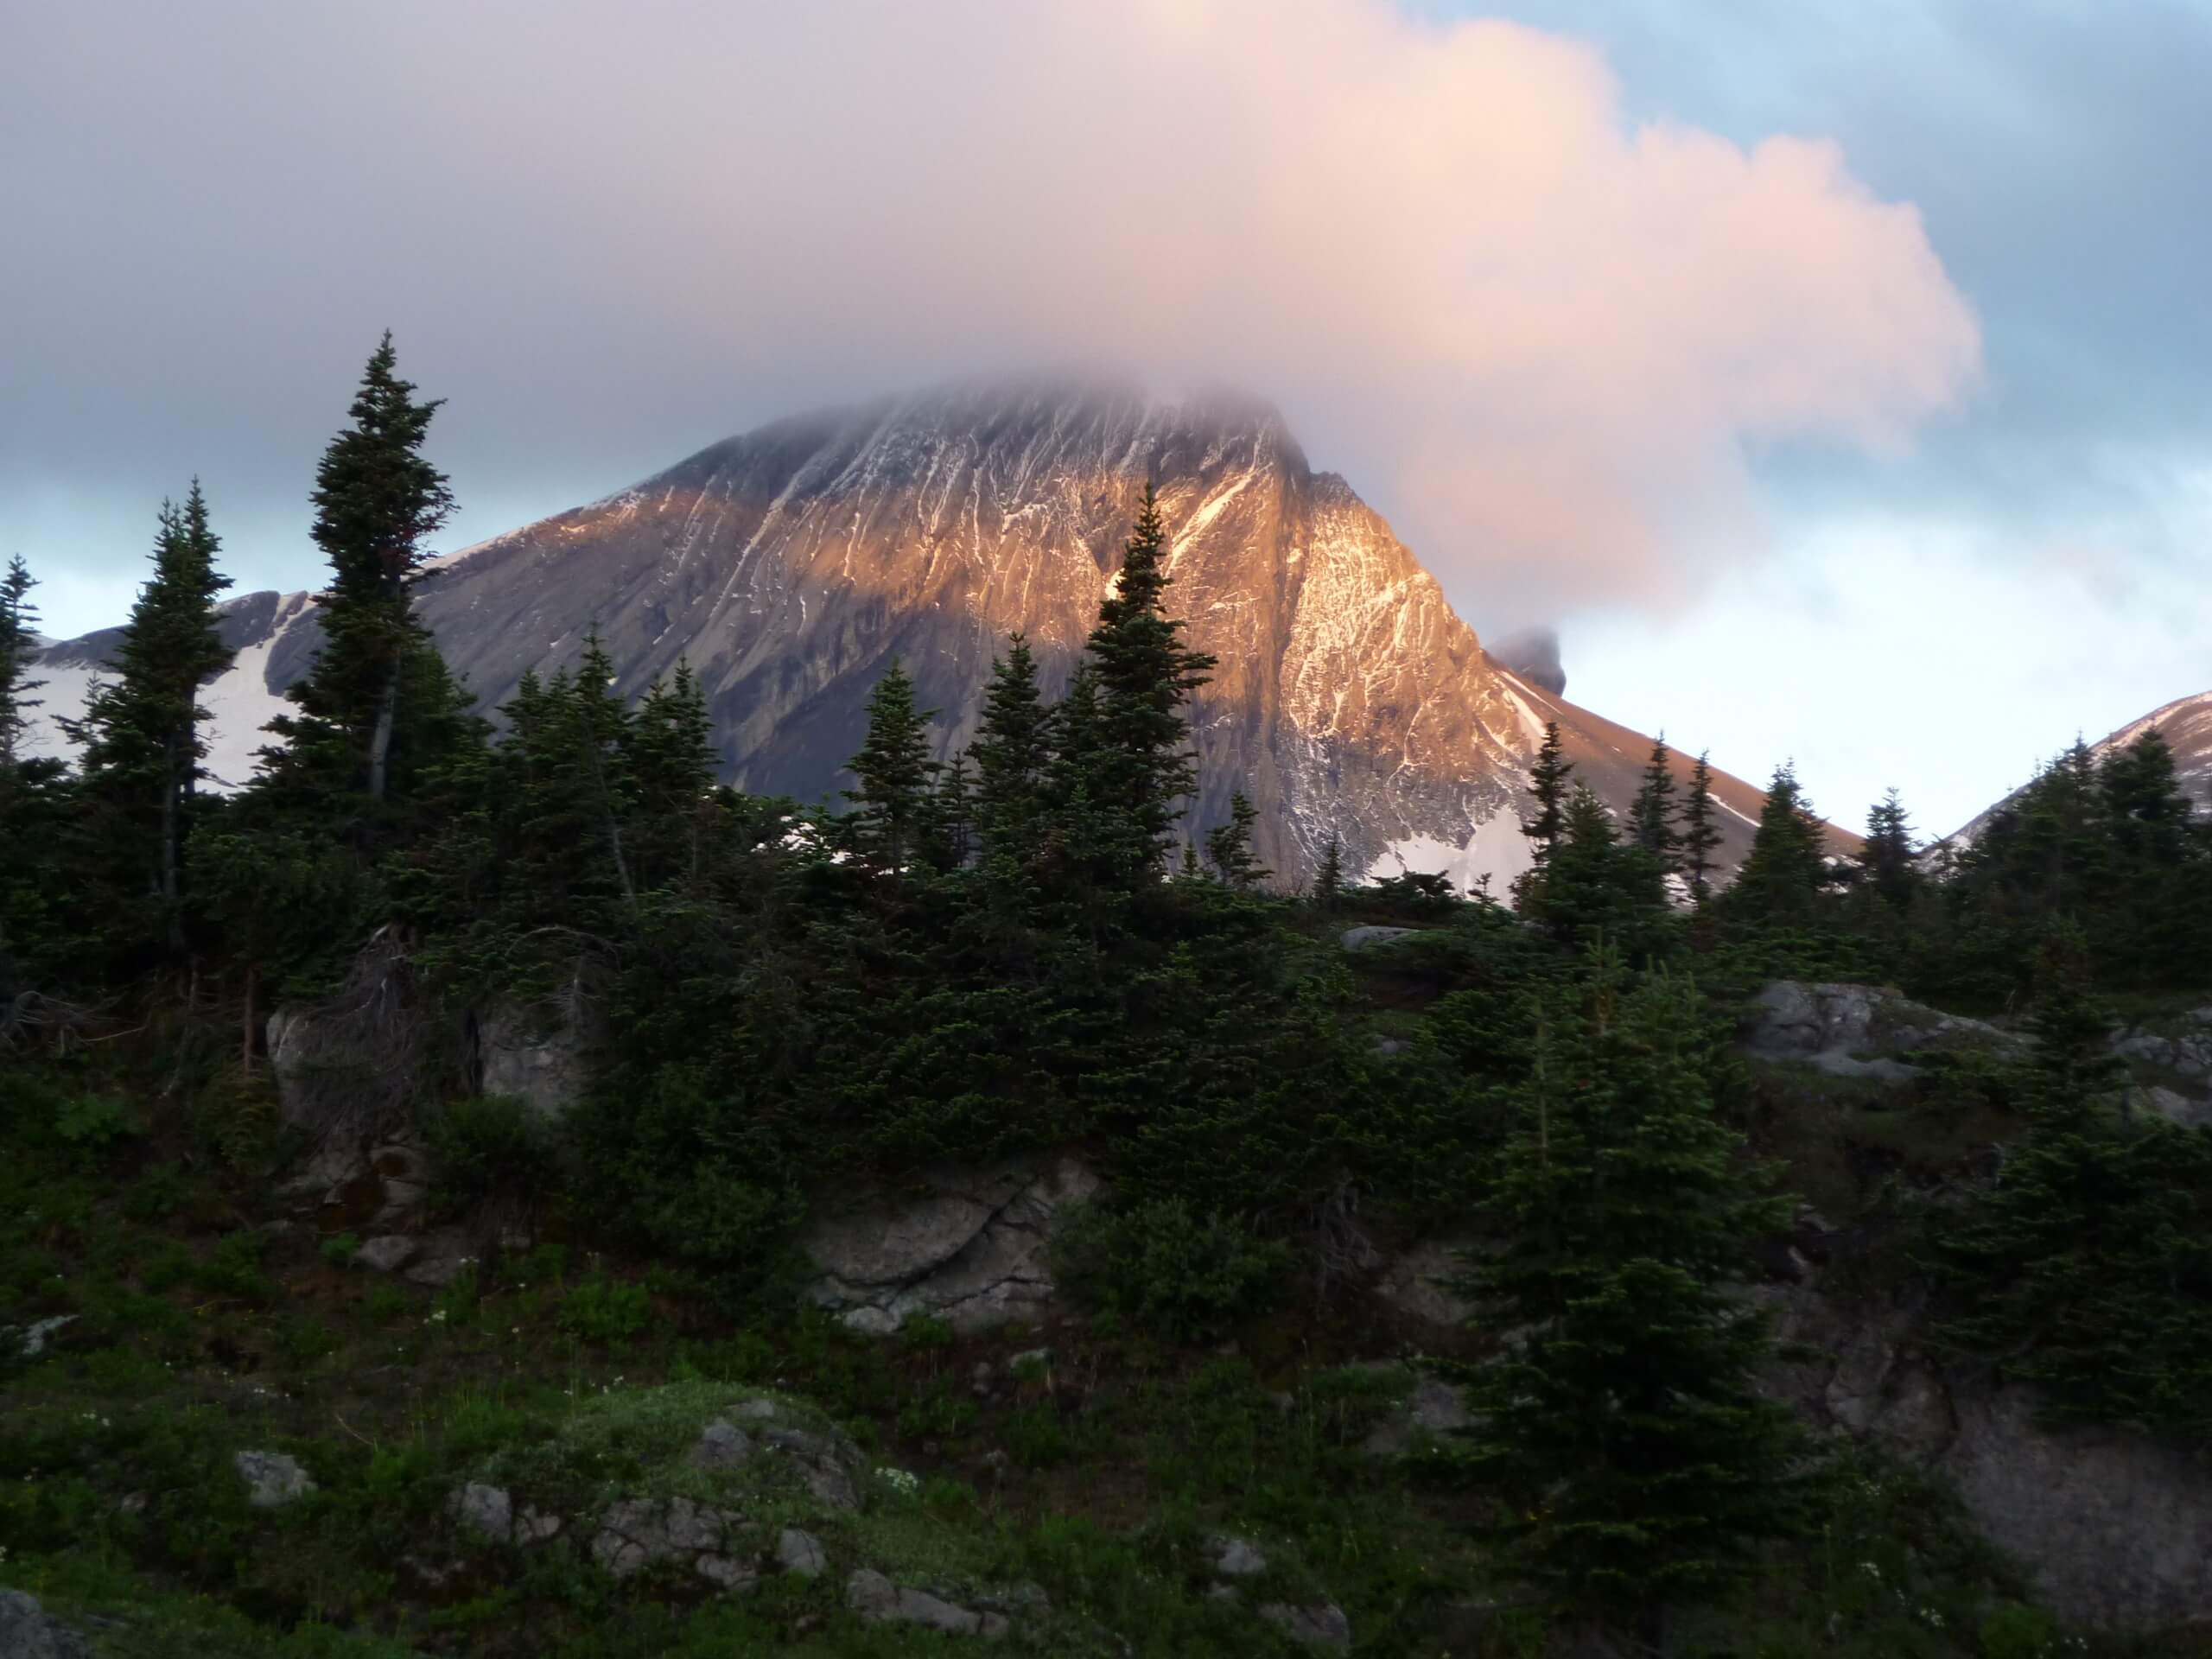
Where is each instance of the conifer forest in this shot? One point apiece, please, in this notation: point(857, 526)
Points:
point(488, 1187)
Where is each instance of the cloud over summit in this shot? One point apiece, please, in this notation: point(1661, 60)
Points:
point(1542, 336)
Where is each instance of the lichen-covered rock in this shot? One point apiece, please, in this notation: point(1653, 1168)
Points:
point(721, 1445)
point(1367, 938)
point(830, 1465)
point(875, 1599)
point(1860, 1031)
point(2112, 1528)
point(536, 1054)
point(272, 1479)
point(1237, 1558)
point(636, 1533)
point(968, 1248)
point(387, 1254)
point(1418, 1284)
point(28, 1631)
point(801, 1553)
point(1431, 1407)
point(1323, 1625)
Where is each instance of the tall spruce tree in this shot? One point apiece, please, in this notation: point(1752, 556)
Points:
point(1229, 847)
point(1785, 873)
point(1547, 788)
point(1012, 752)
point(895, 772)
point(18, 641)
point(376, 498)
point(140, 732)
point(1888, 863)
point(1329, 877)
point(1631, 1461)
point(1651, 817)
point(1142, 766)
point(672, 772)
point(1701, 835)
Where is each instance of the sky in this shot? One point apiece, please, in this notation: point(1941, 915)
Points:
point(1832, 377)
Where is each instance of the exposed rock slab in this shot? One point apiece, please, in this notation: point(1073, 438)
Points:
point(637, 1532)
point(273, 1479)
point(1418, 1282)
point(537, 1054)
point(875, 1599)
point(28, 1631)
point(1322, 1625)
point(2112, 1528)
point(1860, 1031)
point(968, 1246)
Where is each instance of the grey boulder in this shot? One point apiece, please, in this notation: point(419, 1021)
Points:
point(272, 1479)
point(875, 1599)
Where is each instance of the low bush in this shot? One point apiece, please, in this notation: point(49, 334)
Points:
point(1165, 1270)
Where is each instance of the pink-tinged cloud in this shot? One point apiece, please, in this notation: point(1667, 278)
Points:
point(1539, 335)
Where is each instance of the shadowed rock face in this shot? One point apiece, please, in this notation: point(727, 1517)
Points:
point(791, 565)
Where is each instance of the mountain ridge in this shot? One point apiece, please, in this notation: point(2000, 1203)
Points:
point(790, 563)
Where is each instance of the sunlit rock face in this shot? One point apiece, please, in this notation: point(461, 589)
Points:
point(791, 565)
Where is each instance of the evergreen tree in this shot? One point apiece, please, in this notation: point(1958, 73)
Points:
point(895, 772)
point(1632, 1460)
point(949, 840)
point(672, 767)
point(2082, 1268)
point(1592, 887)
point(18, 641)
point(1786, 871)
point(1547, 787)
point(1700, 837)
point(1651, 818)
point(375, 499)
point(1012, 752)
point(1888, 864)
point(1230, 847)
point(1329, 879)
point(1143, 764)
point(140, 732)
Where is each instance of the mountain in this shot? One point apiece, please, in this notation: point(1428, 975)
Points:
point(792, 563)
point(2185, 723)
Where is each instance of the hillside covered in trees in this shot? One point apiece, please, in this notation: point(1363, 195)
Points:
point(608, 1407)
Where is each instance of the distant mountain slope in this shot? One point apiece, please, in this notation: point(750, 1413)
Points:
point(2185, 723)
point(791, 565)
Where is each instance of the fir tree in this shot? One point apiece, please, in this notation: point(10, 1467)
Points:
point(140, 732)
point(1547, 788)
point(1633, 1461)
point(950, 840)
point(672, 767)
point(895, 772)
point(1887, 863)
point(375, 499)
point(1229, 847)
point(18, 641)
point(1785, 872)
point(1012, 750)
point(1142, 763)
point(1651, 818)
point(1329, 879)
point(1701, 838)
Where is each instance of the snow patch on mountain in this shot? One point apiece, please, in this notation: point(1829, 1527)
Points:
point(1497, 852)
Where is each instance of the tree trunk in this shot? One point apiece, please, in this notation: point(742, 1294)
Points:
point(380, 738)
point(245, 1052)
point(172, 788)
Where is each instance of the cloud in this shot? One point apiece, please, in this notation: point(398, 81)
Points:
point(1545, 337)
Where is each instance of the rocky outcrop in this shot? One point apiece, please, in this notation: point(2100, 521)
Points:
point(1418, 1284)
point(1862, 1030)
point(874, 1600)
point(966, 1245)
point(637, 1532)
point(28, 1631)
point(2112, 1528)
point(273, 1479)
point(1319, 1624)
point(536, 1054)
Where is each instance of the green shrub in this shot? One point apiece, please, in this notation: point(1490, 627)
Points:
point(601, 1311)
point(94, 1122)
point(488, 1144)
point(1162, 1268)
point(339, 1250)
